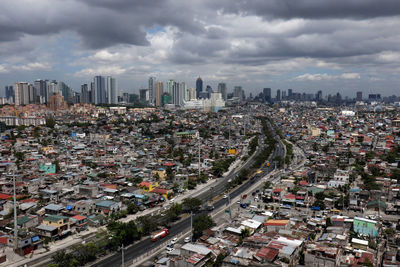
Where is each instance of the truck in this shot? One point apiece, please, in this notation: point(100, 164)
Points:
point(159, 234)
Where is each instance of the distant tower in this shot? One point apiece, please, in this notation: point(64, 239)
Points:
point(152, 82)
point(222, 90)
point(278, 95)
point(359, 96)
point(319, 96)
point(199, 86)
point(290, 93)
point(99, 90)
point(159, 93)
point(267, 94)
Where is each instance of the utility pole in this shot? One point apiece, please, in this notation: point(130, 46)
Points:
point(191, 226)
point(123, 260)
point(15, 214)
point(199, 154)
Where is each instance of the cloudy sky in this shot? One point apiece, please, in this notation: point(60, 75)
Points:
point(307, 45)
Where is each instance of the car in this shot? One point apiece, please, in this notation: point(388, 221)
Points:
point(169, 249)
point(172, 200)
point(174, 240)
point(225, 196)
point(187, 239)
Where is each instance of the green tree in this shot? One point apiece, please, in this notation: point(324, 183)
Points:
point(62, 258)
point(200, 223)
point(50, 122)
point(191, 204)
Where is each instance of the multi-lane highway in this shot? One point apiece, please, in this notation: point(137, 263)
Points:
point(145, 245)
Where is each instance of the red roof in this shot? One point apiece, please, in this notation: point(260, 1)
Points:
point(278, 190)
point(169, 164)
point(145, 184)
point(159, 191)
point(290, 196)
point(303, 182)
point(78, 217)
point(28, 200)
point(267, 253)
point(5, 196)
point(3, 240)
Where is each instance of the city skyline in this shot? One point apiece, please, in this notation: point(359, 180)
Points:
point(342, 46)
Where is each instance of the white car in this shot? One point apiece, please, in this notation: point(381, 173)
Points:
point(174, 240)
point(225, 196)
point(169, 249)
point(187, 239)
point(172, 200)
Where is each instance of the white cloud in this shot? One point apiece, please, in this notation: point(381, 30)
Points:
point(326, 77)
point(33, 66)
point(3, 69)
point(100, 70)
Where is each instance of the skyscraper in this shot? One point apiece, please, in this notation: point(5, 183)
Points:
point(84, 94)
point(41, 90)
point(192, 94)
point(359, 96)
point(238, 92)
point(199, 87)
point(177, 94)
point(290, 93)
point(267, 94)
point(159, 93)
point(152, 82)
point(319, 96)
point(111, 90)
point(21, 90)
point(278, 95)
point(209, 90)
point(9, 92)
point(222, 90)
point(99, 90)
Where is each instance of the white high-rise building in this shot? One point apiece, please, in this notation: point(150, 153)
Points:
point(111, 89)
point(21, 91)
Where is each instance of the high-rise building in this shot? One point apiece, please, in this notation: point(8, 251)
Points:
point(9, 92)
point(56, 102)
point(359, 96)
point(99, 90)
point(21, 91)
point(278, 95)
point(192, 94)
point(66, 92)
point(283, 95)
point(222, 90)
point(144, 95)
point(84, 94)
point(290, 93)
point(159, 93)
point(41, 87)
point(267, 94)
point(52, 88)
point(177, 94)
point(199, 86)
point(318, 97)
point(111, 90)
point(238, 92)
point(152, 82)
point(209, 90)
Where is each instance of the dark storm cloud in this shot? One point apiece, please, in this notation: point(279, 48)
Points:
point(314, 9)
point(99, 23)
